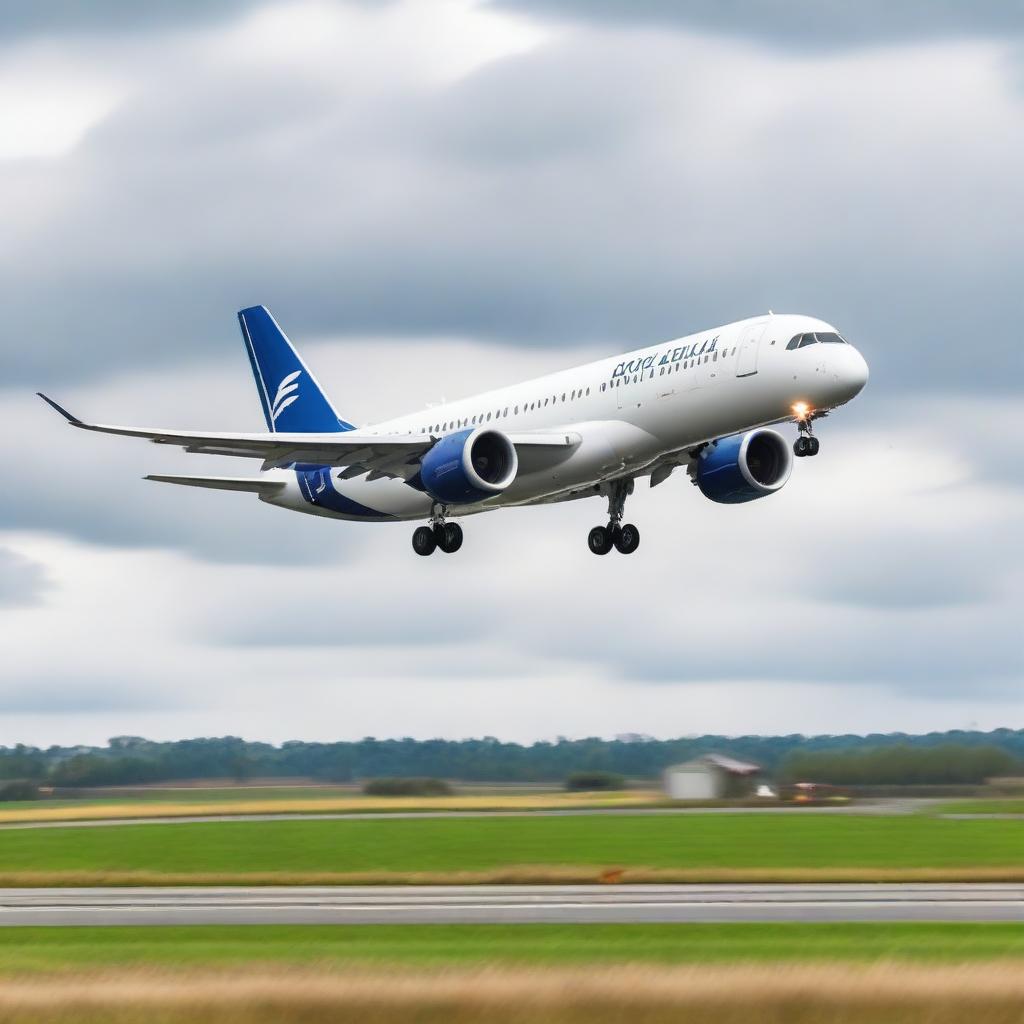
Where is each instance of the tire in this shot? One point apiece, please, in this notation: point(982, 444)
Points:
point(800, 447)
point(423, 541)
point(627, 540)
point(813, 446)
point(599, 540)
point(451, 538)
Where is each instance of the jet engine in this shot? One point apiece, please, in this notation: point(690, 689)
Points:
point(743, 467)
point(469, 466)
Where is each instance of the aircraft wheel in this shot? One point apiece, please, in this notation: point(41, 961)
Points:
point(813, 446)
point(628, 539)
point(450, 539)
point(423, 540)
point(801, 446)
point(599, 540)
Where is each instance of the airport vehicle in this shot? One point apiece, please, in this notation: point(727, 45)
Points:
point(705, 403)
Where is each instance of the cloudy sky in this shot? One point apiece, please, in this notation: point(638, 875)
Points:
point(438, 196)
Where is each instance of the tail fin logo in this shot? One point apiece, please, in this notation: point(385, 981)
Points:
point(287, 392)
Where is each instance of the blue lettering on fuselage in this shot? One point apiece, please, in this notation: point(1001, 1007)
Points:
point(639, 364)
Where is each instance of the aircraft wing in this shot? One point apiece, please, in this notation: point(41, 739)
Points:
point(394, 455)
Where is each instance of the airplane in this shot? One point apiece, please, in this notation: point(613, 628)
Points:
point(705, 403)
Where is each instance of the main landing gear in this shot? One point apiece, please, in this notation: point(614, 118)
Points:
point(624, 538)
point(806, 443)
point(446, 536)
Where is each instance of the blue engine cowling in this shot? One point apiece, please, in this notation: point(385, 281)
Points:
point(744, 466)
point(469, 466)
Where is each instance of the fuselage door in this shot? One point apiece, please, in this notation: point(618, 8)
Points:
point(746, 357)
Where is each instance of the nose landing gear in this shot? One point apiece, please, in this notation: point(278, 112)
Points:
point(446, 536)
point(624, 538)
point(806, 443)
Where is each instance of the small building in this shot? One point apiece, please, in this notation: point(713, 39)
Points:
point(711, 777)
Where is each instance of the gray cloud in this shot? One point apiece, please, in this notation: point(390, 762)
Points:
point(76, 693)
point(799, 24)
point(62, 17)
point(22, 581)
point(581, 192)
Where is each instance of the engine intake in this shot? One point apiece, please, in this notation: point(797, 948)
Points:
point(469, 466)
point(744, 467)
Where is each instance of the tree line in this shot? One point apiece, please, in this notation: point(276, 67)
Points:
point(843, 759)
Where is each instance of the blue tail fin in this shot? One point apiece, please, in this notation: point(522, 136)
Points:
point(293, 402)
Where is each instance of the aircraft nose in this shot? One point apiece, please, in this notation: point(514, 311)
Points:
point(850, 373)
point(857, 373)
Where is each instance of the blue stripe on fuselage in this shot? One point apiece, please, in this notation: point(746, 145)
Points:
point(316, 486)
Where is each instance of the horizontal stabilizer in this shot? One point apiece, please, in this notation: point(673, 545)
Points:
point(225, 483)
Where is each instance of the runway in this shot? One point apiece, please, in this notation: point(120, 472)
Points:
point(556, 904)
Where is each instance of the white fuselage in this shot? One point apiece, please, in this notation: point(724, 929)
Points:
point(632, 413)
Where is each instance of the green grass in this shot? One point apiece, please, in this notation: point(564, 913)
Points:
point(76, 948)
point(995, 805)
point(474, 844)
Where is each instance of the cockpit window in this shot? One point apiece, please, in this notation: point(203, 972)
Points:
point(813, 337)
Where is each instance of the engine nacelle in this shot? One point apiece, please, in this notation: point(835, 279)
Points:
point(744, 466)
point(469, 466)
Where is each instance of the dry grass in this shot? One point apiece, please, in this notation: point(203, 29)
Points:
point(525, 874)
point(333, 805)
point(990, 993)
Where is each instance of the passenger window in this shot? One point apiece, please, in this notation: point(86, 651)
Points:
point(563, 396)
point(588, 391)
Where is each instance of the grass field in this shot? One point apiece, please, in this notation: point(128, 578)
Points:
point(884, 993)
point(47, 950)
point(688, 847)
point(1006, 805)
point(306, 800)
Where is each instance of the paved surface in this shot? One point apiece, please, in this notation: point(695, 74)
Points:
point(897, 806)
point(513, 904)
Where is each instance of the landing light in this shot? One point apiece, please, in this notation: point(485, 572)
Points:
point(801, 410)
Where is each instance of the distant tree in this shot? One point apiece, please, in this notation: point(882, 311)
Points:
point(900, 765)
point(406, 787)
point(582, 781)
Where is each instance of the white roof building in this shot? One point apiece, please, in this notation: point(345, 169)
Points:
point(709, 777)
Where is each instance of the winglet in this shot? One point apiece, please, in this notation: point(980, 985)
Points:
point(73, 420)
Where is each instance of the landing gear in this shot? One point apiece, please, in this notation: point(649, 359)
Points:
point(625, 539)
point(600, 540)
point(446, 536)
point(806, 444)
point(423, 540)
point(449, 537)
